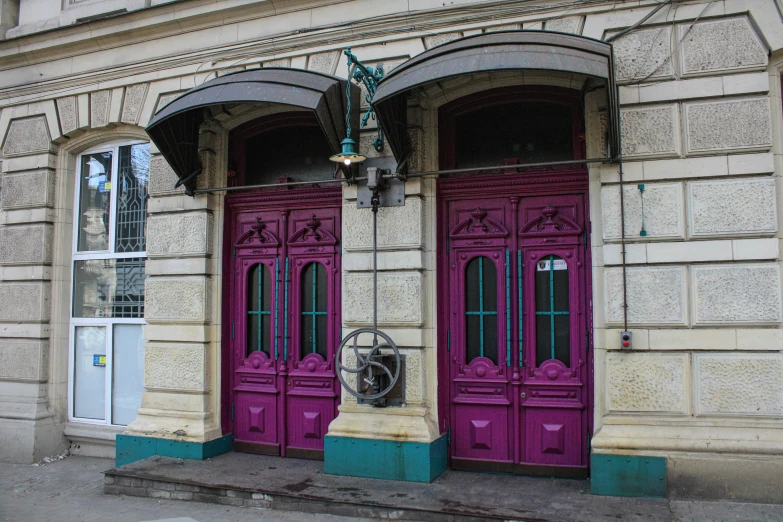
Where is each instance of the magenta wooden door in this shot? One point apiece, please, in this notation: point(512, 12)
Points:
point(284, 298)
point(515, 310)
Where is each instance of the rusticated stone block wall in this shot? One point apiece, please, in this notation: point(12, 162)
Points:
point(26, 246)
point(703, 285)
point(181, 351)
point(402, 280)
point(26, 274)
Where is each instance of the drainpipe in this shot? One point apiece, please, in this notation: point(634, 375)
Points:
point(622, 242)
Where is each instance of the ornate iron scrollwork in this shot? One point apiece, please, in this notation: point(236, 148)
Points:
point(369, 77)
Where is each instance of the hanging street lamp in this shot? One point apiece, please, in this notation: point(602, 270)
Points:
point(348, 154)
point(370, 78)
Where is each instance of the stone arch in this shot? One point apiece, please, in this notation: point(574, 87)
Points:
point(125, 105)
point(245, 112)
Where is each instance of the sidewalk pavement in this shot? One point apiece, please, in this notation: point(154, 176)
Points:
point(72, 490)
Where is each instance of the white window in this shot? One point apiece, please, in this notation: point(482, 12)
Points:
point(107, 300)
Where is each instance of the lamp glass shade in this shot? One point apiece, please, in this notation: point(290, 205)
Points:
point(348, 154)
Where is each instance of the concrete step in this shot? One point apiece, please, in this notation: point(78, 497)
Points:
point(256, 481)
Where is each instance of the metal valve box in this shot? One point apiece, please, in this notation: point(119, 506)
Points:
point(396, 396)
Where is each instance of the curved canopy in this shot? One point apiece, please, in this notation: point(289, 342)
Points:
point(175, 129)
point(499, 51)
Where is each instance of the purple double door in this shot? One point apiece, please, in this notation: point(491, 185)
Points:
point(514, 290)
point(283, 289)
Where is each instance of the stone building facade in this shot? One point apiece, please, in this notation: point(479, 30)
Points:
point(700, 392)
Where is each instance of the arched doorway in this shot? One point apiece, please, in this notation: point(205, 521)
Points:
point(281, 284)
point(514, 283)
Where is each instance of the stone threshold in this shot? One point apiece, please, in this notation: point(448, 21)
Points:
point(257, 481)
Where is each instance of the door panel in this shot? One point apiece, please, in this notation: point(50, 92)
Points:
point(482, 432)
point(480, 385)
point(553, 436)
point(517, 331)
point(254, 305)
point(286, 276)
point(313, 251)
point(256, 414)
point(553, 244)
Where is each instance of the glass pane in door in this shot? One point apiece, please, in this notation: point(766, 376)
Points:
point(128, 373)
point(313, 305)
point(553, 330)
point(89, 373)
point(481, 309)
point(259, 311)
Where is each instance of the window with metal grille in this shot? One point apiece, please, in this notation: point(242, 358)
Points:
point(481, 309)
point(553, 330)
point(259, 310)
point(299, 152)
point(132, 176)
point(530, 132)
point(313, 321)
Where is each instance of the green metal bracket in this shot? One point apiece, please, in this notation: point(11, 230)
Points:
point(369, 77)
point(640, 186)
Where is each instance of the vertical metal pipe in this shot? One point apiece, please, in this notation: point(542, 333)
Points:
point(375, 266)
point(622, 243)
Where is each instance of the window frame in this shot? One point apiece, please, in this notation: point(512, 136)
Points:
point(273, 306)
point(481, 258)
point(313, 314)
point(239, 137)
point(449, 112)
point(552, 313)
point(76, 255)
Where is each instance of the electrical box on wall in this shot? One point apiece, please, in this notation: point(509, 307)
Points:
point(626, 340)
point(392, 193)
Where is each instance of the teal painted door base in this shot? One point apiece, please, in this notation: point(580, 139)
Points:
point(628, 475)
point(130, 449)
point(385, 459)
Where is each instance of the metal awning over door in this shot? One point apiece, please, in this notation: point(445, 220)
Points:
point(175, 129)
point(500, 51)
